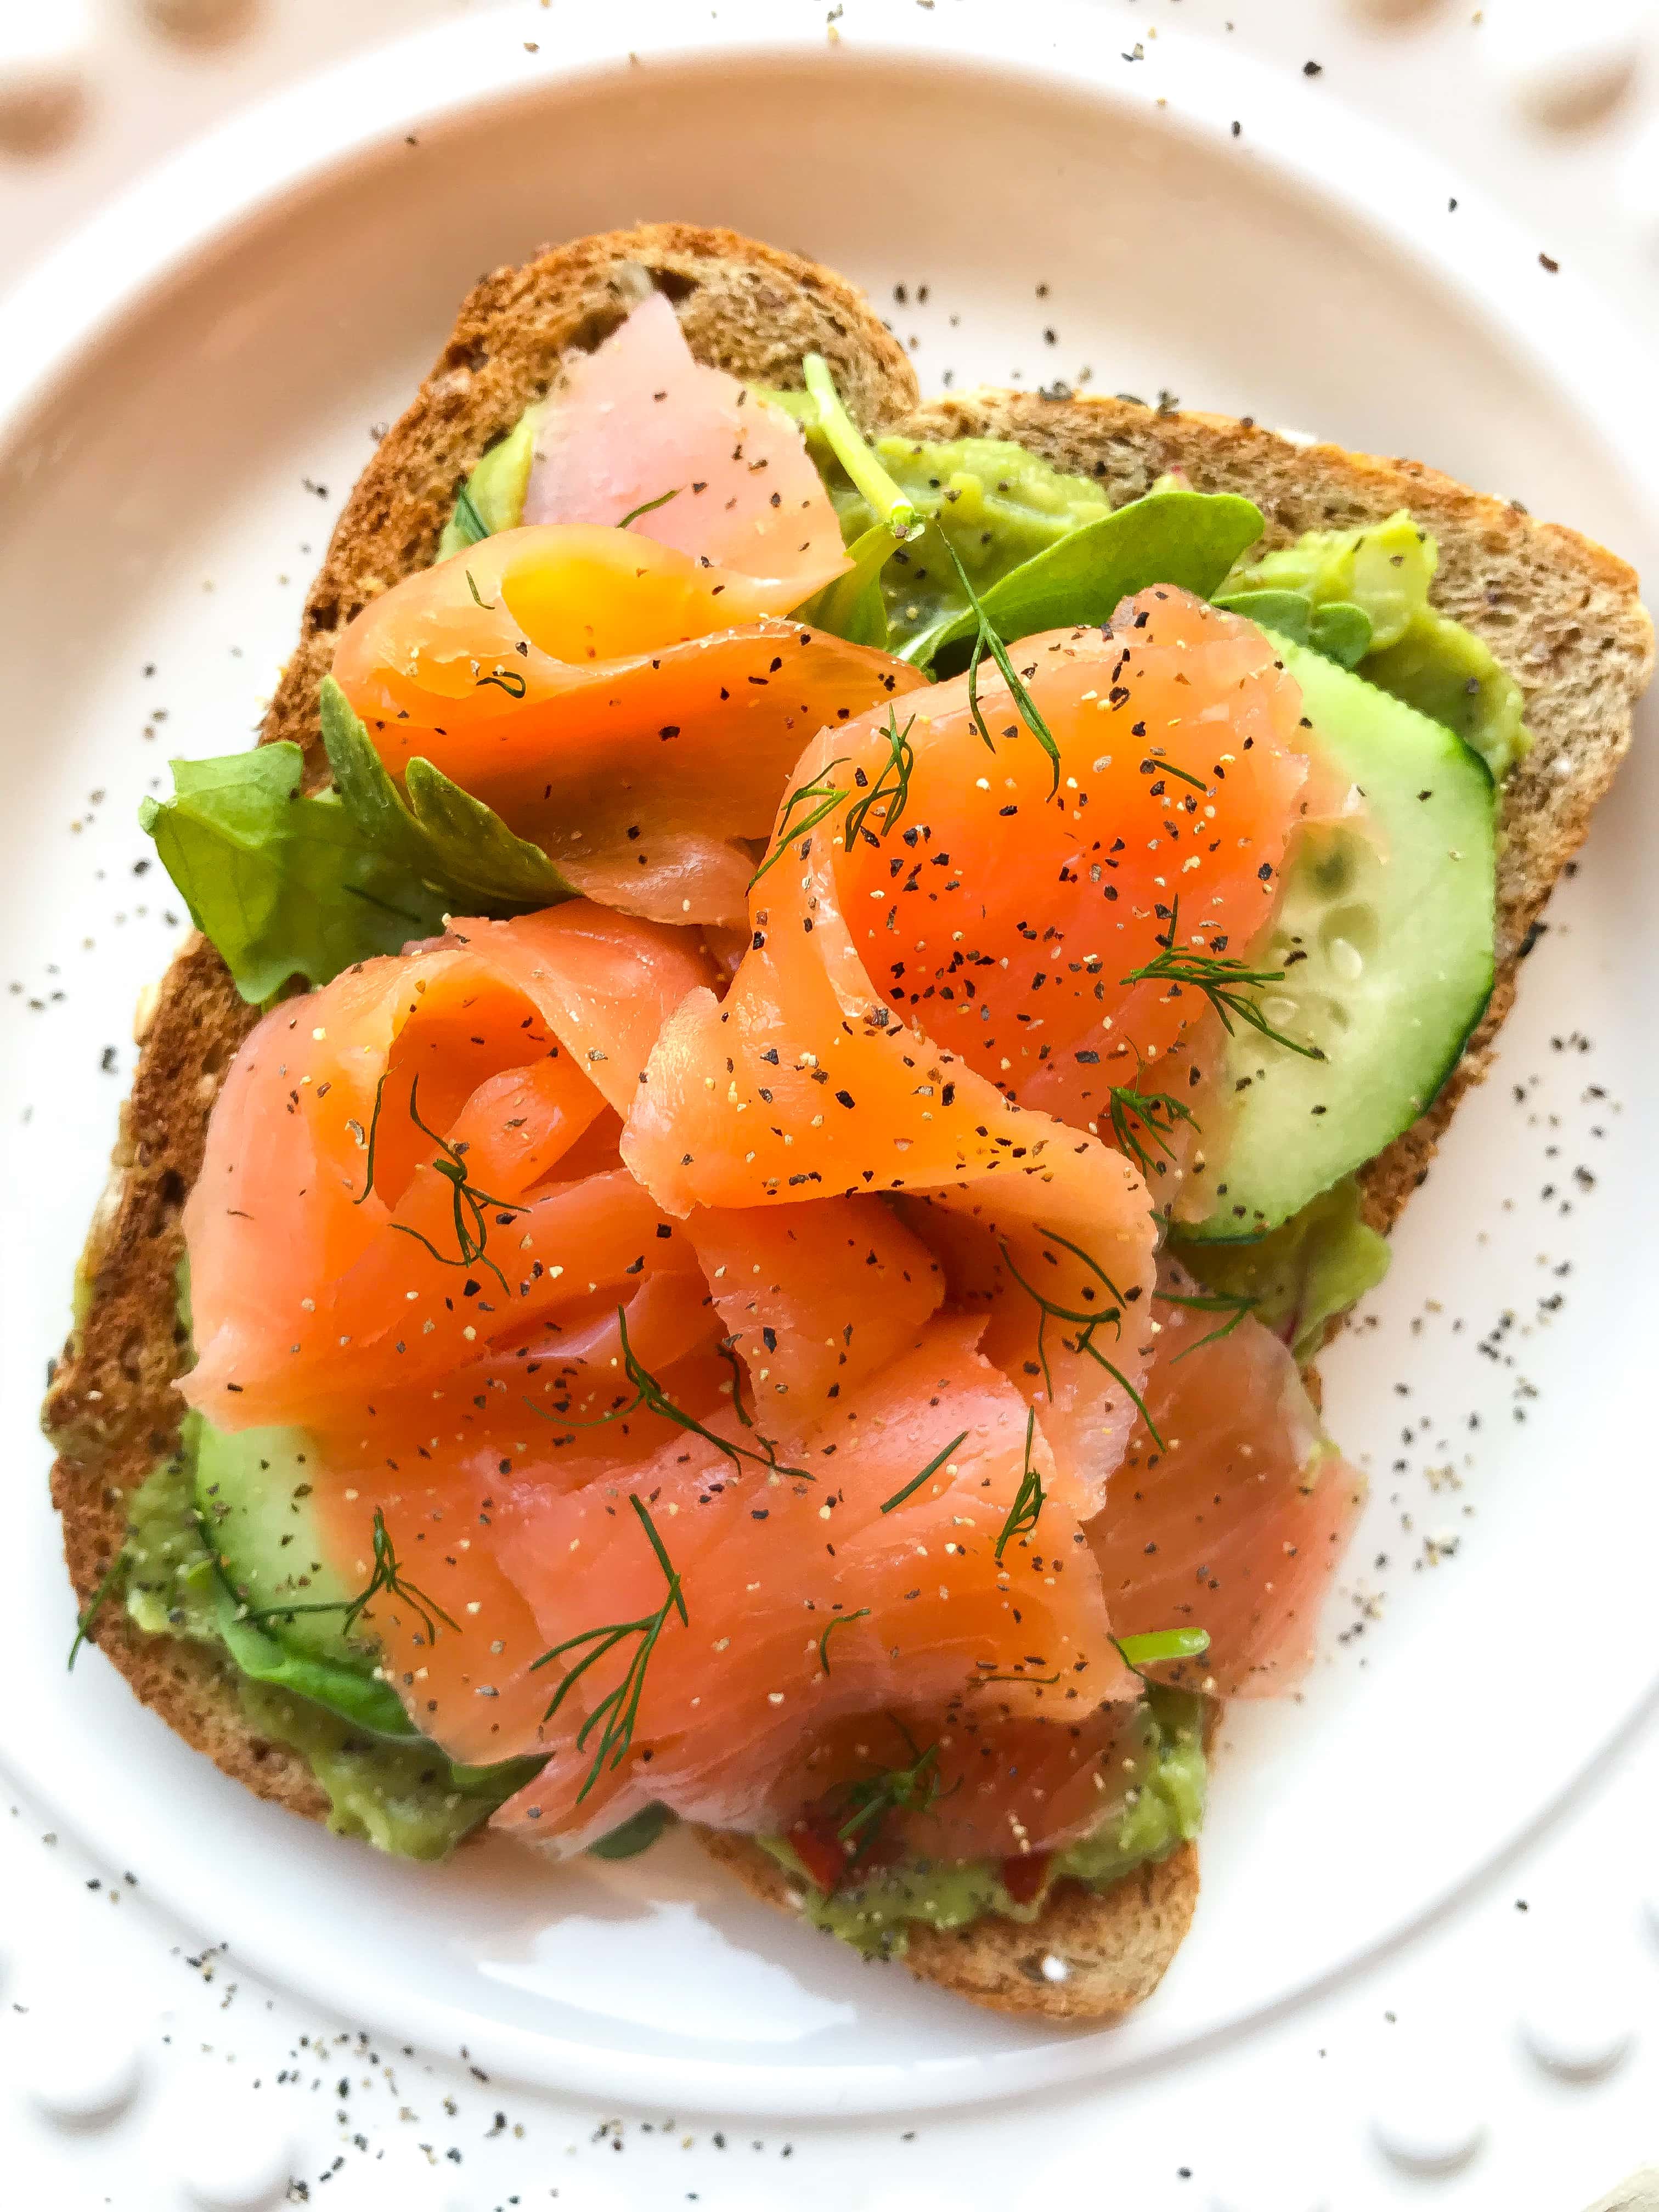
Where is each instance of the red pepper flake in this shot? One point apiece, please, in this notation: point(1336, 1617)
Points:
point(820, 1852)
point(1023, 1877)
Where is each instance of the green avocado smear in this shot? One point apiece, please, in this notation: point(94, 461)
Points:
point(1161, 1807)
point(386, 1784)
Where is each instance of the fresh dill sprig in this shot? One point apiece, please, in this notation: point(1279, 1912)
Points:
point(988, 641)
point(489, 605)
point(87, 1621)
point(1143, 1122)
point(616, 1715)
point(828, 797)
point(1226, 983)
point(840, 1621)
point(650, 1397)
point(386, 1578)
point(1228, 1302)
point(472, 1230)
point(1026, 1510)
point(1084, 1323)
point(649, 506)
point(373, 1132)
point(509, 679)
point(1138, 1652)
point(866, 1805)
point(473, 527)
point(932, 1469)
point(727, 1350)
point(1155, 763)
point(893, 797)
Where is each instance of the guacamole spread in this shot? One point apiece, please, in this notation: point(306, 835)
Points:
point(1301, 1275)
point(1161, 1806)
point(385, 1784)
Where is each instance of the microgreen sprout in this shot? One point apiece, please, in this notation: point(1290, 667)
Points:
point(650, 1397)
point(870, 479)
point(1143, 1123)
point(1085, 1324)
point(823, 796)
point(892, 797)
point(649, 506)
point(472, 1230)
point(867, 1804)
point(932, 1469)
point(386, 1579)
point(1138, 1652)
point(1235, 1305)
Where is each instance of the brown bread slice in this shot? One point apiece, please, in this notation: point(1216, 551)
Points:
point(1562, 615)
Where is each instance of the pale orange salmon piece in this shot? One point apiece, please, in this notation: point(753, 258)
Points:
point(841, 1531)
point(635, 714)
point(324, 1274)
point(802, 1083)
point(1236, 1521)
point(640, 424)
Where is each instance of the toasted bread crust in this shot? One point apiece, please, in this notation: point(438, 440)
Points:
point(1560, 613)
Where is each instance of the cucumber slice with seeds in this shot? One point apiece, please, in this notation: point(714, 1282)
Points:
point(1385, 938)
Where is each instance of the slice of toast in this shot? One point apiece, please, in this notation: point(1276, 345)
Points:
point(1561, 614)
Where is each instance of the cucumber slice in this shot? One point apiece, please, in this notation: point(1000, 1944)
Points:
point(253, 1493)
point(1386, 941)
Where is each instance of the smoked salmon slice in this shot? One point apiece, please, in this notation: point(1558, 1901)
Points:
point(630, 711)
point(640, 428)
point(802, 1082)
point(1230, 1511)
point(1011, 864)
point(838, 1584)
point(384, 1194)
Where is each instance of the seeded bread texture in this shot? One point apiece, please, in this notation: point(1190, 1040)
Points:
point(1561, 614)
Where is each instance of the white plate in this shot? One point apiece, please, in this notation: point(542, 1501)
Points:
point(177, 389)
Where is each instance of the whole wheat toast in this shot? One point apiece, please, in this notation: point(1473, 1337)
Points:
point(1561, 614)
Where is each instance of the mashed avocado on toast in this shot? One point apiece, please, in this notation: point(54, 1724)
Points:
point(967, 526)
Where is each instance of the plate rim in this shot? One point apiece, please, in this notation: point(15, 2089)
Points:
point(245, 170)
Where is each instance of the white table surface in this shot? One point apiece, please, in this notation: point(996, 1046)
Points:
point(1522, 2029)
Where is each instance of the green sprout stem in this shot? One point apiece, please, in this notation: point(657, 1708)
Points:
point(890, 505)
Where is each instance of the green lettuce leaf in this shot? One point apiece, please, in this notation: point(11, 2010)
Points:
point(852, 607)
point(1189, 538)
point(438, 833)
point(283, 885)
point(634, 1836)
point(349, 1692)
point(287, 883)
